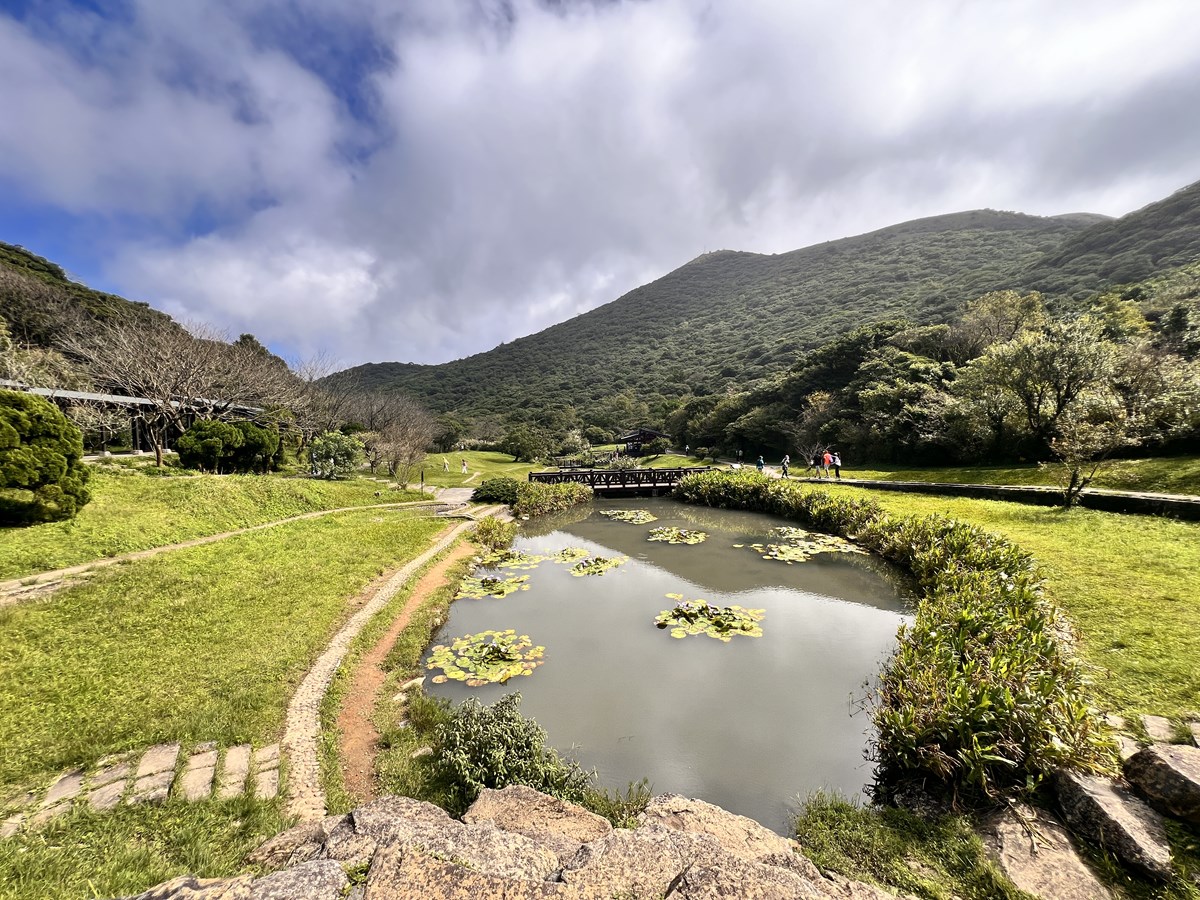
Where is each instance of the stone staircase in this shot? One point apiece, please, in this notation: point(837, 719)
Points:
point(153, 775)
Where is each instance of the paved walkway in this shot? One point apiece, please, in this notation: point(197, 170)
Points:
point(14, 590)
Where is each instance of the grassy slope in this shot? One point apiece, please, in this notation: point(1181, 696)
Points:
point(1172, 475)
point(134, 512)
point(487, 464)
point(1128, 582)
point(202, 644)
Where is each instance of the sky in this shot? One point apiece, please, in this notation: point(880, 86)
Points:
point(423, 180)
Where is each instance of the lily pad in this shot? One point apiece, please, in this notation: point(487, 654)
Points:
point(701, 617)
point(597, 565)
point(489, 657)
point(632, 516)
point(478, 588)
point(802, 545)
point(571, 555)
point(513, 560)
point(678, 535)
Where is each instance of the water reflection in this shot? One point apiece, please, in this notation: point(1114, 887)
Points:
point(748, 724)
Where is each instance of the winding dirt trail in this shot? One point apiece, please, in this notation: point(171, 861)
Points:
point(358, 738)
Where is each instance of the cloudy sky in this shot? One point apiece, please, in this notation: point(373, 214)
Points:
point(422, 180)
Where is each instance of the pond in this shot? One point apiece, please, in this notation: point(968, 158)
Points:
point(748, 724)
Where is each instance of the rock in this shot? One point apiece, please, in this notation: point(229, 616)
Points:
point(320, 879)
point(275, 852)
point(562, 826)
point(742, 837)
point(1109, 814)
point(189, 887)
point(66, 787)
point(266, 784)
point(118, 771)
point(159, 758)
point(1159, 728)
point(234, 771)
point(1194, 728)
point(151, 788)
point(1127, 747)
point(1168, 776)
point(106, 796)
point(1115, 722)
point(398, 874)
point(11, 825)
point(1043, 863)
point(421, 753)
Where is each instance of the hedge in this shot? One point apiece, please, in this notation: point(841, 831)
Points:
point(536, 498)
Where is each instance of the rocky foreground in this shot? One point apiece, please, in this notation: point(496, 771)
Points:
point(517, 843)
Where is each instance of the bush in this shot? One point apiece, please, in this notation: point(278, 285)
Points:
point(618, 462)
point(496, 490)
point(536, 498)
point(656, 447)
point(42, 474)
point(495, 746)
point(494, 534)
point(983, 695)
point(223, 447)
point(334, 455)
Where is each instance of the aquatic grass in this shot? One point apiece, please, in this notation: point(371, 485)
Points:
point(536, 498)
point(479, 587)
point(206, 643)
point(489, 657)
point(677, 536)
point(597, 565)
point(692, 617)
point(630, 516)
point(133, 512)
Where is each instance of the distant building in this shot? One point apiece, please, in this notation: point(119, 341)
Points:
point(638, 437)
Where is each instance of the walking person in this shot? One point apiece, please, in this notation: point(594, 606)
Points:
point(787, 461)
point(837, 465)
point(827, 460)
point(445, 464)
point(759, 464)
point(815, 465)
point(464, 464)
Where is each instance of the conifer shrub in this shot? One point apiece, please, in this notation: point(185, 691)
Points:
point(213, 446)
point(983, 696)
point(334, 455)
point(496, 490)
point(42, 474)
point(536, 498)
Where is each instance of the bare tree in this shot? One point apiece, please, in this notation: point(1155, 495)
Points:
point(400, 430)
point(183, 375)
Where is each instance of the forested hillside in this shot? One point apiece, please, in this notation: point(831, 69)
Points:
point(728, 319)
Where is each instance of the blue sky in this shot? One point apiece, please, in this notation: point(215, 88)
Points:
point(419, 181)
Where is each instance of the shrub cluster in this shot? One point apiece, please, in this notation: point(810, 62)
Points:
point(495, 746)
point(536, 498)
point(493, 533)
point(212, 446)
point(42, 473)
point(983, 695)
point(496, 490)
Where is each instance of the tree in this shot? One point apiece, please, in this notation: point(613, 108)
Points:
point(399, 430)
point(228, 446)
point(184, 374)
point(526, 443)
point(334, 455)
point(42, 473)
point(996, 318)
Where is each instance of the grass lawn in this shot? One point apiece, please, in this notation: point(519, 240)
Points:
point(123, 852)
point(132, 512)
point(206, 643)
point(1174, 475)
point(487, 463)
point(1130, 583)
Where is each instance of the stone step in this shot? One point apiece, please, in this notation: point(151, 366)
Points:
point(234, 770)
point(1110, 815)
point(1159, 728)
point(1168, 776)
point(1034, 850)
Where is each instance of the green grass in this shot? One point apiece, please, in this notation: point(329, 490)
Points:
point(489, 464)
point(135, 512)
point(1173, 475)
point(1131, 584)
point(206, 643)
point(938, 859)
point(86, 854)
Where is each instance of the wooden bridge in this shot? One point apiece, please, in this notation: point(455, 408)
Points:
point(620, 481)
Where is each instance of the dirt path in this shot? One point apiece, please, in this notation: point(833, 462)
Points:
point(30, 586)
point(358, 737)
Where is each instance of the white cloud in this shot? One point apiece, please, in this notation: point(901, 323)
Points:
point(526, 162)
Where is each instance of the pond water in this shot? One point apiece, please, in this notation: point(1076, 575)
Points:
point(749, 725)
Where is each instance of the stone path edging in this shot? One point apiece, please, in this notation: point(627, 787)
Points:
point(10, 590)
point(305, 796)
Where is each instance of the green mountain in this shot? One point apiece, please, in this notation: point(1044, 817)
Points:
point(728, 319)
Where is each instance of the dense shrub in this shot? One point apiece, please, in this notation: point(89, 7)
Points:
point(535, 498)
point(212, 446)
point(619, 462)
point(42, 473)
point(983, 694)
point(495, 746)
point(494, 534)
point(334, 455)
point(656, 447)
point(496, 490)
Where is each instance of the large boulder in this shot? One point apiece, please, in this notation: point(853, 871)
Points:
point(399, 873)
point(1168, 775)
point(1109, 814)
point(740, 836)
point(320, 879)
point(563, 827)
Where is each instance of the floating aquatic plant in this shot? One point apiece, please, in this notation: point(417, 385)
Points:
point(632, 516)
point(570, 555)
point(478, 588)
point(489, 657)
point(802, 545)
point(678, 535)
point(513, 560)
point(701, 617)
point(597, 565)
